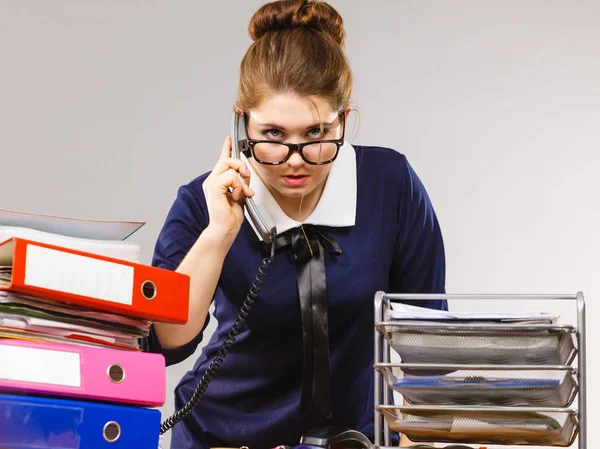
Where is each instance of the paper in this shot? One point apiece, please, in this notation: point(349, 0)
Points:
point(49, 307)
point(117, 249)
point(70, 339)
point(27, 318)
point(72, 227)
point(409, 312)
point(42, 329)
point(59, 328)
point(522, 421)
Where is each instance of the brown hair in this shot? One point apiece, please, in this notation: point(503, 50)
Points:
point(297, 48)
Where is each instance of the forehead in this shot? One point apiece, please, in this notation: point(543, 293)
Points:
point(292, 111)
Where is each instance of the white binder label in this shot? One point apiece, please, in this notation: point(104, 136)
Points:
point(44, 366)
point(79, 275)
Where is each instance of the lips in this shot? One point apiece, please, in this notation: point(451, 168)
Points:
point(295, 180)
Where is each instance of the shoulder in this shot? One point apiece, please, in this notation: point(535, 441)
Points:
point(379, 158)
point(185, 220)
point(191, 194)
point(189, 205)
point(193, 188)
point(389, 172)
point(382, 163)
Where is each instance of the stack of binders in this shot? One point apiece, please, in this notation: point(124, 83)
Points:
point(65, 385)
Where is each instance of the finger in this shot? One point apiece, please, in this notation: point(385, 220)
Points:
point(242, 191)
point(248, 191)
point(236, 193)
point(236, 164)
point(235, 183)
point(226, 149)
point(232, 163)
point(231, 180)
point(245, 172)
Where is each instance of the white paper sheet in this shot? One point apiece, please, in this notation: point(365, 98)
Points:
point(73, 227)
point(117, 249)
point(409, 312)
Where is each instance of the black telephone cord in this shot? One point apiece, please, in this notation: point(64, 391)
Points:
point(222, 352)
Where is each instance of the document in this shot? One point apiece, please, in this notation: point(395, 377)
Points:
point(72, 227)
point(409, 312)
point(29, 318)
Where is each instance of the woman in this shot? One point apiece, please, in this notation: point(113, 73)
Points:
point(352, 220)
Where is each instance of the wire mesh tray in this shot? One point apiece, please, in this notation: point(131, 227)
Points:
point(481, 425)
point(475, 343)
point(495, 385)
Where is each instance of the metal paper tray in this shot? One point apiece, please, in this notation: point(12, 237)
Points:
point(494, 385)
point(498, 344)
point(481, 425)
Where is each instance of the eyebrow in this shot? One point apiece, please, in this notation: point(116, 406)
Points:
point(273, 125)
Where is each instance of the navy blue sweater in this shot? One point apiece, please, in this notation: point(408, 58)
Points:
point(395, 246)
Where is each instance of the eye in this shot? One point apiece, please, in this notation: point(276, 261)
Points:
point(273, 134)
point(315, 133)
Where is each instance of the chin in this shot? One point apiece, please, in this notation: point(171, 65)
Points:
point(294, 192)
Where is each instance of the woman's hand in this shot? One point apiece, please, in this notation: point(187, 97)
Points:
point(204, 261)
point(225, 208)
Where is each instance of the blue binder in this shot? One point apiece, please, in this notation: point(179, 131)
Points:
point(28, 422)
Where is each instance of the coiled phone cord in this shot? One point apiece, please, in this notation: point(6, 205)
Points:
point(227, 343)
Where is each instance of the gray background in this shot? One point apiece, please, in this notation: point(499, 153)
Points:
point(106, 107)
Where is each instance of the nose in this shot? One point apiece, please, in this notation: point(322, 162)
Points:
point(295, 160)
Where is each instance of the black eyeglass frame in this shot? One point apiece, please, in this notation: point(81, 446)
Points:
point(247, 147)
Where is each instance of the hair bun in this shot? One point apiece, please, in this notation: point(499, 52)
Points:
point(288, 14)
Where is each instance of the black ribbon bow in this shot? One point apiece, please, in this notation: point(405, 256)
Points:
point(308, 246)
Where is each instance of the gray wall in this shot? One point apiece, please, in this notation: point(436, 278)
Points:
point(107, 107)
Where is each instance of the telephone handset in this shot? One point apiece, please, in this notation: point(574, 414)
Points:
point(258, 215)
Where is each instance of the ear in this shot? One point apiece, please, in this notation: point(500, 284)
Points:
point(347, 111)
point(239, 110)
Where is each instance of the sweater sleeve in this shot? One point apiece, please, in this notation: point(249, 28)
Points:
point(184, 223)
point(419, 264)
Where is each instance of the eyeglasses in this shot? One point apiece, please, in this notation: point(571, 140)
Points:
point(318, 152)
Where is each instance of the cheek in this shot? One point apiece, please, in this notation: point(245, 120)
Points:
point(271, 173)
point(321, 172)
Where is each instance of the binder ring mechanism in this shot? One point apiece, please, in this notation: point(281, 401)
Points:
point(111, 431)
point(149, 290)
point(116, 373)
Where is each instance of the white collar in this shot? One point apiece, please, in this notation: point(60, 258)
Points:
point(336, 207)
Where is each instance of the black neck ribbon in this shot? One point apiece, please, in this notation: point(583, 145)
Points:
point(308, 246)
